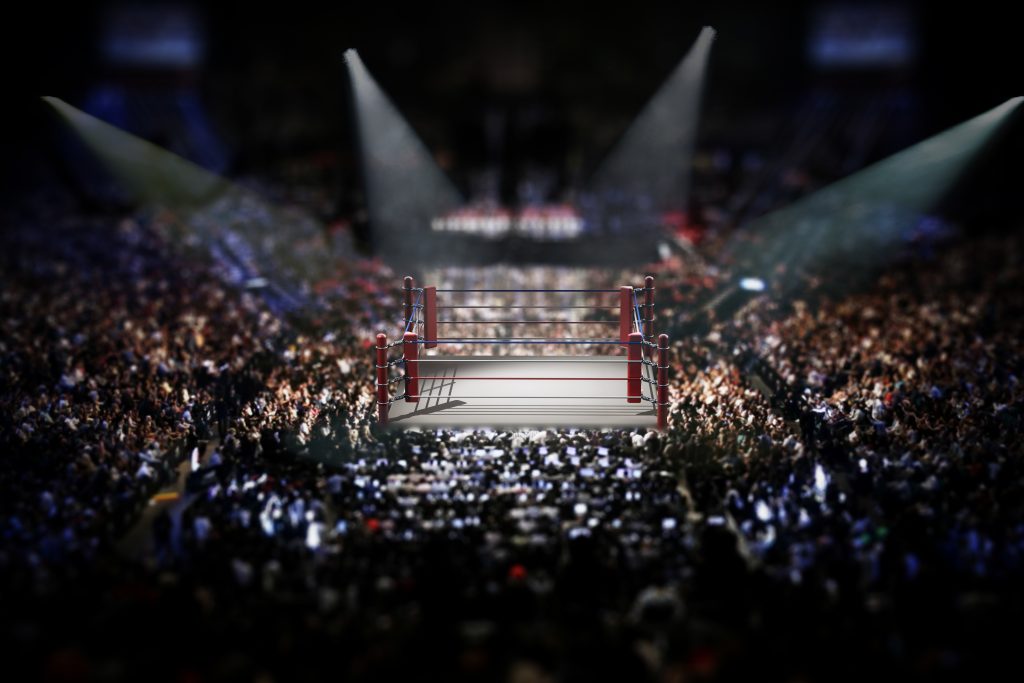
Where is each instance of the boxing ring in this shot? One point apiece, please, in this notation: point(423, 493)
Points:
point(629, 389)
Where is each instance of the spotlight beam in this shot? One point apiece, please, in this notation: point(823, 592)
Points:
point(254, 238)
point(863, 219)
point(405, 188)
point(155, 175)
point(654, 157)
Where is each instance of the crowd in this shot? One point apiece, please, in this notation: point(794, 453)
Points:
point(837, 494)
point(109, 357)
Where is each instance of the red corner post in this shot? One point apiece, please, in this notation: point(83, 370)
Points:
point(649, 307)
point(382, 378)
point(633, 367)
point(430, 317)
point(663, 382)
point(410, 352)
point(625, 313)
point(410, 312)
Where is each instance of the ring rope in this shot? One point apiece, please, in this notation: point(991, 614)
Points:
point(546, 291)
point(532, 398)
point(602, 291)
point(646, 380)
point(513, 379)
point(527, 322)
point(527, 359)
point(589, 308)
point(518, 340)
point(524, 340)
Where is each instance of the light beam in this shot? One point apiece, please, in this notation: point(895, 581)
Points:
point(405, 188)
point(255, 241)
point(651, 164)
point(860, 222)
point(152, 173)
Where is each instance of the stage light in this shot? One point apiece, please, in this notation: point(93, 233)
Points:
point(752, 284)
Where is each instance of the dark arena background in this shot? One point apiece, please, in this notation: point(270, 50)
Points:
point(514, 342)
